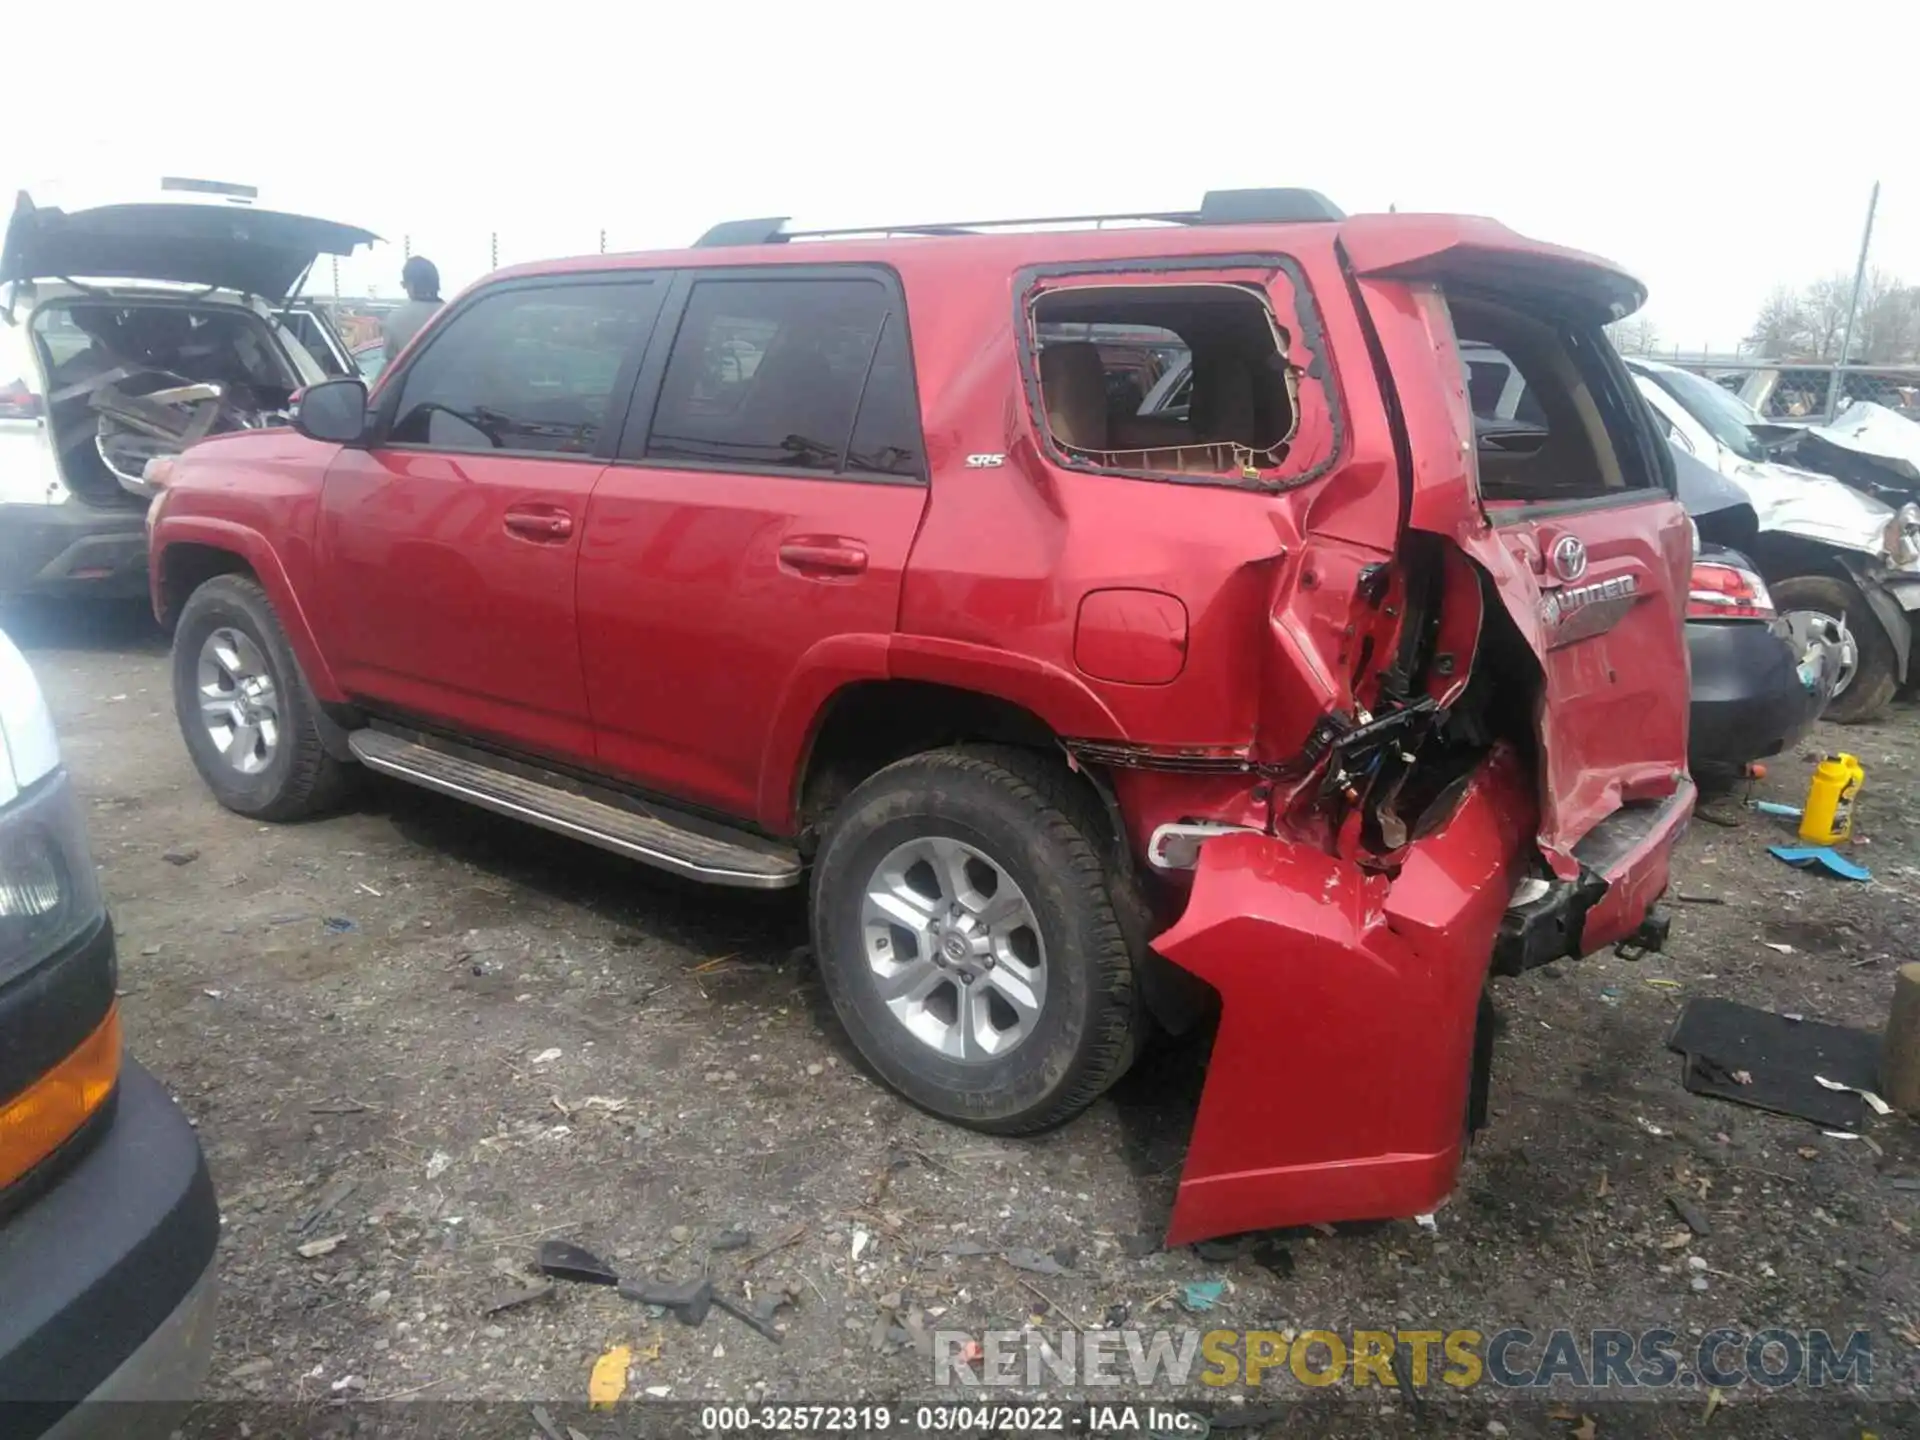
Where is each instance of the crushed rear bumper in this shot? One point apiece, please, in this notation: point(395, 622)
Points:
point(1338, 1087)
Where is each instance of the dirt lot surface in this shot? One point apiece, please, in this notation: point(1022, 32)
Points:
point(455, 1037)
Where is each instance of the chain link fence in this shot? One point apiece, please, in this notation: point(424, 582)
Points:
point(1800, 391)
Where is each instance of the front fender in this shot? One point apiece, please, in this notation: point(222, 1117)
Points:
point(1337, 1088)
point(251, 546)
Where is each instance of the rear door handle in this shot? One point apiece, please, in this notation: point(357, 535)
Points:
point(545, 524)
point(823, 558)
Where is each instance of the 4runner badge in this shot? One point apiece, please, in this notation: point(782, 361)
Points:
point(1584, 610)
point(1569, 557)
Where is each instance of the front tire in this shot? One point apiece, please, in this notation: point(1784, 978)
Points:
point(1874, 676)
point(968, 938)
point(250, 723)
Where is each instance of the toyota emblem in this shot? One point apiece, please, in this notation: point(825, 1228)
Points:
point(1569, 558)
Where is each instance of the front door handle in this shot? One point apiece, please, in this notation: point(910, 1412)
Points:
point(820, 559)
point(545, 524)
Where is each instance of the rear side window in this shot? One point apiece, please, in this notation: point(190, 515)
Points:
point(1189, 379)
point(808, 373)
point(1553, 419)
point(532, 369)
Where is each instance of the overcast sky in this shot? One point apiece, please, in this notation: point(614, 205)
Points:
point(1714, 149)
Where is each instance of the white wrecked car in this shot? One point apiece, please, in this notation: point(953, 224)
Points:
point(1830, 553)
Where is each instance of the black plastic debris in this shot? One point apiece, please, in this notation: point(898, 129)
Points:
point(569, 1262)
point(1033, 1262)
point(1695, 1218)
point(1768, 1061)
point(513, 1299)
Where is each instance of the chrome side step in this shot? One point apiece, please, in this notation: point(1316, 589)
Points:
point(651, 834)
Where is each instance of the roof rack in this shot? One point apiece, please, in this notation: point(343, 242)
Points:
point(1217, 207)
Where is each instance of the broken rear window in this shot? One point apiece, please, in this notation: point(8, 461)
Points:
point(1550, 420)
point(1181, 379)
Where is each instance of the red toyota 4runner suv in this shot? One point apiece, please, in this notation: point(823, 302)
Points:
point(865, 563)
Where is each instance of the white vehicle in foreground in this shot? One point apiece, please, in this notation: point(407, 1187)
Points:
point(108, 1220)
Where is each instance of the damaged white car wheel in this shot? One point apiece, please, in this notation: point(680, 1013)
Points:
point(1868, 670)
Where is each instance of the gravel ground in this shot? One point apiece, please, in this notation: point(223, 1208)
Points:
point(456, 1037)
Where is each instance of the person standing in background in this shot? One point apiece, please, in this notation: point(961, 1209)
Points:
point(421, 280)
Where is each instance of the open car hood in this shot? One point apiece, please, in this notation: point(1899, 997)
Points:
point(1876, 433)
point(1814, 506)
point(218, 245)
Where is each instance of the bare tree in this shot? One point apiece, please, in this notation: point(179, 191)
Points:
point(1887, 330)
point(1826, 307)
point(1809, 324)
point(1780, 330)
point(1635, 335)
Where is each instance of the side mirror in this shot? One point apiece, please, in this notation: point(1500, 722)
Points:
point(333, 410)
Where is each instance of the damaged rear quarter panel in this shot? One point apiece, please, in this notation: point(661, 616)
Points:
point(1611, 712)
point(1007, 553)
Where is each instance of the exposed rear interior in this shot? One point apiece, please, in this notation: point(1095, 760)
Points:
point(1543, 402)
point(130, 380)
point(1188, 379)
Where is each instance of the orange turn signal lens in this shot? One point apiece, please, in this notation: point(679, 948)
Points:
point(37, 1121)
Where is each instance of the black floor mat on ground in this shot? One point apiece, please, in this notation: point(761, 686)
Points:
point(1782, 1056)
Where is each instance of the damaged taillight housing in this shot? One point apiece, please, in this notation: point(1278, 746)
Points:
point(1723, 591)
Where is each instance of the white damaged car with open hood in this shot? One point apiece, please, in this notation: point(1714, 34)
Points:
point(128, 331)
point(1831, 554)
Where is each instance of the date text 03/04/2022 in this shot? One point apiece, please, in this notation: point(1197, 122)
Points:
point(861, 1419)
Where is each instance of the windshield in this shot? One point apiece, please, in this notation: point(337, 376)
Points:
point(1725, 416)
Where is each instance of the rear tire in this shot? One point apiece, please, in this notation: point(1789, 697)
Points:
point(1870, 689)
point(249, 720)
point(967, 935)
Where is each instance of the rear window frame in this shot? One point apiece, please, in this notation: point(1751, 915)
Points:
point(1301, 318)
point(1622, 391)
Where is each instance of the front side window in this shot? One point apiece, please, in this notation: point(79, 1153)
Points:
point(807, 373)
point(530, 369)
